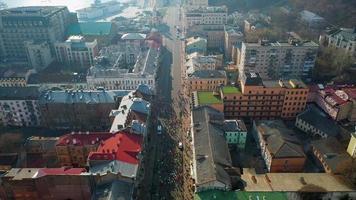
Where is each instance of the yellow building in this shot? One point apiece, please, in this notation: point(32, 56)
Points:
point(351, 149)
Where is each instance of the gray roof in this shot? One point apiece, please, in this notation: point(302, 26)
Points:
point(133, 36)
point(252, 79)
point(333, 152)
point(211, 152)
point(208, 74)
point(81, 96)
point(116, 190)
point(313, 116)
point(281, 141)
point(234, 125)
point(347, 34)
point(31, 11)
point(19, 93)
point(114, 167)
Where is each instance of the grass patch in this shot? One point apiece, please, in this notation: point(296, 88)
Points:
point(208, 98)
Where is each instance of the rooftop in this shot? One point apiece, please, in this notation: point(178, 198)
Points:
point(294, 182)
point(346, 34)
point(205, 98)
point(123, 146)
point(42, 11)
point(238, 195)
point(315, 117)
point(83, 138)
point(208, 74)
point(280, 140)
point(19, 93)
point(118, 190)
point(234, 125)
point(90, 28)
point(208, 9)
point(230, 90)
point(210, 151)
point(81, 96)
point(133, 36)
point(28, 173)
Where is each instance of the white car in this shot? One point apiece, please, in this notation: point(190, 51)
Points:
point(180, 145)
point(159, 129)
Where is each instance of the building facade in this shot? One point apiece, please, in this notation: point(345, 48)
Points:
point(17, 25)
point(75, 51)
point(39, 54)
point(196, 44)
point(206, 15)
point(206, 80)
point(232, 37)
point(343, 38)
point(19, 106)
point(259, 99)
point(235, 133)
point(281, 150)
point(78, 109)
point(278, 60)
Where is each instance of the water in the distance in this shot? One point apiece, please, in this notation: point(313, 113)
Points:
point(71, 4)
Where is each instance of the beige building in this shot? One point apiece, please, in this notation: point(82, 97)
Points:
point(232, 37)
point(197, 61)
point(206, 80)
point(273, 60)
point(39, 54)
point(208, 15)
point(343, 38)
point(76, 51)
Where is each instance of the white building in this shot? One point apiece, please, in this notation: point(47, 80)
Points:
point(198, 61)
point(19, 106)
point(232, 37)
point(75, 50)
point(38, 54)
point(344, 38)
point(274, 60)
point(111, 76)
point(212, 15)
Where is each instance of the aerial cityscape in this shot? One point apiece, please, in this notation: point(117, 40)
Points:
point(178, 100)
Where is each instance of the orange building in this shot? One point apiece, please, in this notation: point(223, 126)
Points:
point(259, 99)
point(73, 149)
point(206, 80)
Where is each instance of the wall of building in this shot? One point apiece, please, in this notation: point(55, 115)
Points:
point(20, 113)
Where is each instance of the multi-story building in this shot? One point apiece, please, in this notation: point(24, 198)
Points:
point(211, 156)
point(196, 44)
point(41, 151)
point(351, 148)
point(76, 51)
point(343, 38)
point(331, 155)
point(235, 133)
point(13, 81)
point(259, 99)
point(281, 150)
point(206, 98)
point(198, 3)
point(232, 37)
point(197, 61)
point(204, 16)
point(108, 74)
point(73, 148)
point(79, 109)
point(17, 25)
point(39, 54)
point(206, 80)
point(19, 106)
point(337, 101)
point(47, 183)
point(273, 60)
point(312, 121)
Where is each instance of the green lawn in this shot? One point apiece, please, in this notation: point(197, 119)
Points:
point(208, 98)
point(240, 195)
point(231, 90)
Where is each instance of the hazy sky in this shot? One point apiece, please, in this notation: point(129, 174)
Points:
point(72, 4)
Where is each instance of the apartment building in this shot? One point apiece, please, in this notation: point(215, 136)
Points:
point(19, 106)
point(38, 23)
point(109, 72)
point(41, 151)
point(197, 61)
point(274, 60)
point(39, 54)
point(47, 183)
point(73, 148)
point(235, 133)
point(232, 37)
point(206, 80)
point(281, 150)
point(338, 101)
point(259, 99)
point(79, 109)
point(343, 38)
point(76, 51)
point(196, 44)
point(206, 15)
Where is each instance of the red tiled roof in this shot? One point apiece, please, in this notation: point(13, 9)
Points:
point(351, 92)
point(84, 138)
point(123, 146)
point(60, 171)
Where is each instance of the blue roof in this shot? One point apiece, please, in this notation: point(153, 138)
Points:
point(144, 89)
point(140, 106)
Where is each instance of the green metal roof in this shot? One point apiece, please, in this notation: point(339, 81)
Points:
point(89, 28)
point(208, 98)
point(239, 195)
